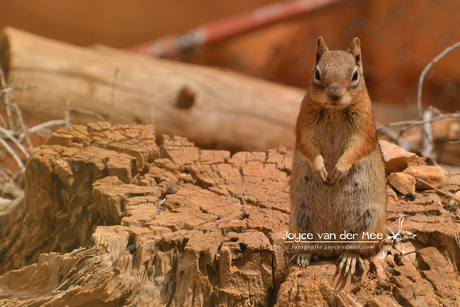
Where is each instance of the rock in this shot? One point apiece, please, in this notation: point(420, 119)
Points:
point(403, 183)
point(106, 221)
point(397, 158)
point(431, 174)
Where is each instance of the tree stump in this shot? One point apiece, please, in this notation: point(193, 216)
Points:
point(110, 218)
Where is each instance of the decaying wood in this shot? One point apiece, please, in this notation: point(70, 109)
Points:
point(112, 219)
point(148, 228)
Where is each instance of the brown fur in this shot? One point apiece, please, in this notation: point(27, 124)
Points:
point(338, 180)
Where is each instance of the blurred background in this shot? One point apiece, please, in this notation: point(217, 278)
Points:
point(399, 37)
point(271, 40)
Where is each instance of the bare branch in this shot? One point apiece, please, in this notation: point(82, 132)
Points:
point(9, 135)
point(2, 121)
point(6, 99)
point(22, 123)
point(8, 89)
point(5, 175)
point(395, 137)
point(51, 123)
point(424, 72)
point(427, 137)
point(13, 154)
point(413, 123)
point(438, 190)
point(427, 142)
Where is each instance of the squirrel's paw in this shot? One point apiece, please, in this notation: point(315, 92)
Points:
point(321, 174)
point(349, 261)
point(337, 174)
point(319, 169)
point(303, 260)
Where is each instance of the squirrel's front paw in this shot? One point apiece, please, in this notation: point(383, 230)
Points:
point(321, 174)
point(338, 173)
point(320, 170)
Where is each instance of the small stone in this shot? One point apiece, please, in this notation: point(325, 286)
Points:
point(403, 183)
point(397, 158)
point(431, 174)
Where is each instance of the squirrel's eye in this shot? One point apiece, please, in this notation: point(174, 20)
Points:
point(355, 76)
point(317, 76)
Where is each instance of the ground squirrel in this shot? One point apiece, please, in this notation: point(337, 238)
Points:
point(338, 183)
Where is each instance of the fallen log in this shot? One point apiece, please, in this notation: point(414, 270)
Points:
point(212, 107)
point(112, 219)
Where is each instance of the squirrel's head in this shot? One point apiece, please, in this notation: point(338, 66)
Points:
point(337, 76)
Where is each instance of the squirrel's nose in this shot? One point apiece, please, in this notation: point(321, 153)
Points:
point(335, 92)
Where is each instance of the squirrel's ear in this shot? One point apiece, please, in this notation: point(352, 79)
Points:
point(320, 49)
point(355, 50)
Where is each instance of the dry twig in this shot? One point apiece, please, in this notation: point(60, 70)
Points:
point(427, 136)
point(425, 118)
point(424, 72)
point(51, 123)
point(395, 137)
point(427, 140)
point(13, 129)
point(7, 133)
point(438, 190)
point(23, 125)
point(13, 154)
point(413, 123)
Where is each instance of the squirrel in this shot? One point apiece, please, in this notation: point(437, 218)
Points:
point(338, 180)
